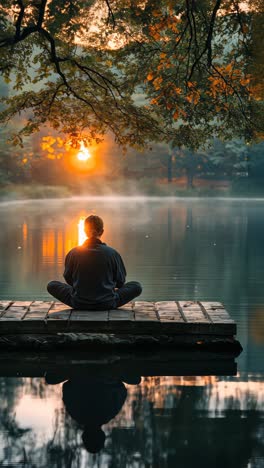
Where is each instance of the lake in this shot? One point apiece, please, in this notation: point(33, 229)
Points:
point(193, 249)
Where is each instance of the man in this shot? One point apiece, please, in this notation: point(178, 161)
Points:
point(95, 274)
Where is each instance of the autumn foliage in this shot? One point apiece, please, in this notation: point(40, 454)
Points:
point(179, 72)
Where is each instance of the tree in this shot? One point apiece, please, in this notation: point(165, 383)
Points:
point(230, 158)
point(256, 162)
point(15, 163)
point(190, 163)
point(90, 61)
point(197, 67)
point(60, 77)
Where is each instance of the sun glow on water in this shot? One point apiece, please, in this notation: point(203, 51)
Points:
point(81, 233)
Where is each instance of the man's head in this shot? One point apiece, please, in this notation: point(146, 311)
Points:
point(93, 439)
point(93, 226)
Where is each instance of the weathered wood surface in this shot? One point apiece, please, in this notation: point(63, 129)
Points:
point(140, 317)
point(40, 342)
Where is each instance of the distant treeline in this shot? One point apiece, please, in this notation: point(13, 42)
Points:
point(232, 160)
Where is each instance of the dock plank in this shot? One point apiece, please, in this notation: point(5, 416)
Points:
point(4, 305)
point(217, 313)
point(128, 306)
point(121, 315)
point(168, 311)
point(145, 311)
point(144, 305)
point(14, 319)
point(40, 314)
point(38, 310)
point(91, 321)
point(21, 303)
point(89, 315)
point(43, 304)
point(14, 313)
point(36, 316)
point(193, 312)
point(57, 319)
point(61, 314)
point(220, 316)
point(163, 317)
point(212, 305)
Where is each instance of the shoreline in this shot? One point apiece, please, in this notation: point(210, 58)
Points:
point(33, 193)
point(125, 198)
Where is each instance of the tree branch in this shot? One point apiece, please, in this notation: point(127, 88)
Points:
point(19, 19)
point(110, 13)
point(208, 43)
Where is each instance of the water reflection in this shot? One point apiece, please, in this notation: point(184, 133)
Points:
point(81, 233)
point(92, 402)
point(163, 422)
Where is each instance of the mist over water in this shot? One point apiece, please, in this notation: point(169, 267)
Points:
point(210, 249)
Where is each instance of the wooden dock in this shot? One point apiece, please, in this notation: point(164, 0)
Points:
point(43, 323)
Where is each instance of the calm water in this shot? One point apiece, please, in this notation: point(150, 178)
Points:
point(177, 249)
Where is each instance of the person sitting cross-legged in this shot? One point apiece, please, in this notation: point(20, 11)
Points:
point(95, 274)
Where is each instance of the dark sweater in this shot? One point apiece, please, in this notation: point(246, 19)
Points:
point(94, 270)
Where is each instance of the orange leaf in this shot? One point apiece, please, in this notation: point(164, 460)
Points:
point(229, 67)
point(150, 76)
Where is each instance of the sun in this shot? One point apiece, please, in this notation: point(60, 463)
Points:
point(83, 153)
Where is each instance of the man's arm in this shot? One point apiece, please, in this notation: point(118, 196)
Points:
point(121, 272)
point(68, 269)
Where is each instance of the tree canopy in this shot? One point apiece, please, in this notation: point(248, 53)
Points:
point(178, 71)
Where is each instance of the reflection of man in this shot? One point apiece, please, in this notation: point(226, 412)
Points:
point(92, 402)
point(95, 274)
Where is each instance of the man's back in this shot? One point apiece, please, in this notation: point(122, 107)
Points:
point(95, 274)
point(94, 270)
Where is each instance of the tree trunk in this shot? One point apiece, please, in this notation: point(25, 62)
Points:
point(169, 168)
point(190, 180)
